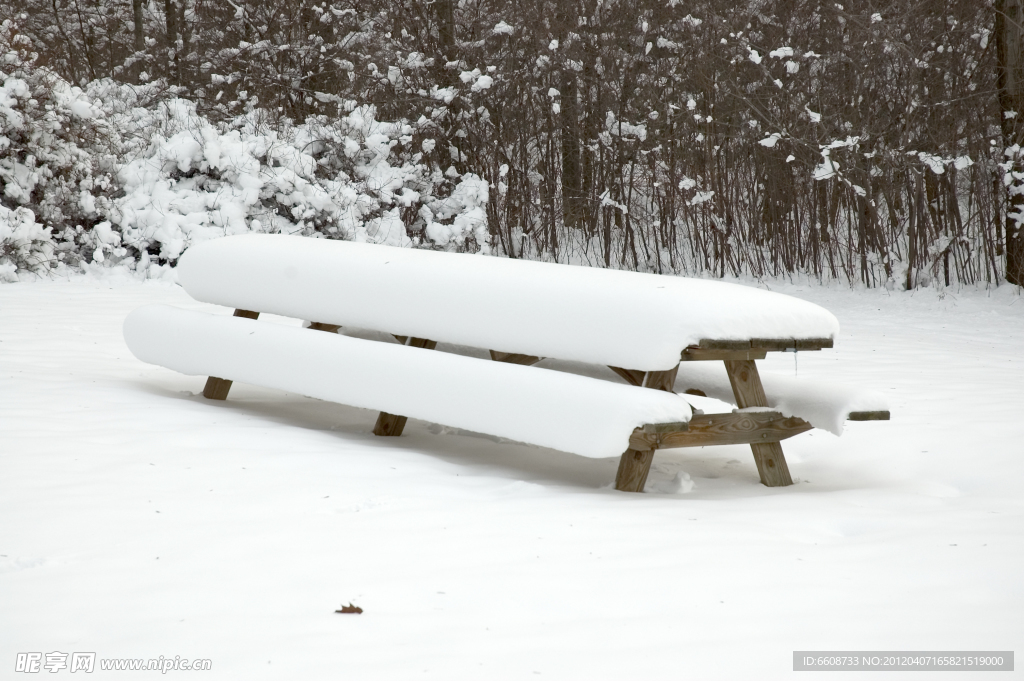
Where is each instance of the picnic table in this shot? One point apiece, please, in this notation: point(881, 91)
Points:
point(648, 329)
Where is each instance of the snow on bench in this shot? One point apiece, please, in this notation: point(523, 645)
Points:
point(537, 406)
point(643, 326)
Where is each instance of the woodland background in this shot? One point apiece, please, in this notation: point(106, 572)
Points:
point(874, 142)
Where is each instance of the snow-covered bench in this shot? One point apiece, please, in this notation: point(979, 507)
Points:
point(645, 327)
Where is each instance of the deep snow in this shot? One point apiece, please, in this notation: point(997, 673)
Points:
point(138, 519)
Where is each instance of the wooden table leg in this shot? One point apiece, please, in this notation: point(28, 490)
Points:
point(514, 358)
point(661, 380)
point(634, 466)
point(218, 388)
point(631, 376)
point(633, 469)
point(749, 392)
point(393, 424)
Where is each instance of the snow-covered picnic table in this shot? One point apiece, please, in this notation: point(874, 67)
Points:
point(655, 332)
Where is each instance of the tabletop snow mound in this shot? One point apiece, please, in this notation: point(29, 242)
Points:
point(599, 316)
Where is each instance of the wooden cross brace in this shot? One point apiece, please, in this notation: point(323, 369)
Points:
point(761, 430)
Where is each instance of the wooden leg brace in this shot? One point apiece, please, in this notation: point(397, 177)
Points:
point(635, 465)
point(218, 388)
point(393, 424)
point(749, 392)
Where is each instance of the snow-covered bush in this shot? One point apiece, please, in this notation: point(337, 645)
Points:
point(121, 174)
point(466, 208)
point(25, 245)
point(52, 143)
point(351, 178)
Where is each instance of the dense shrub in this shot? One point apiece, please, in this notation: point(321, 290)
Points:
point(124, 174)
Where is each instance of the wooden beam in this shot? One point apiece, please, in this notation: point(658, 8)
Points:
point(635, 464)
point(392, 424)
point(774, 344)
point(813, 343)
point(514, 358)
point(631, 376)
point(715, 344)
point(661, 380)
point(329, 328)
point(707, 430)
point(633, 469)
point(659, 428)
point(780, 344)
point(767, 344)
point(771, 464)
point(749, 392)
point(389, 424)
point(868, 416)
point(693, 353)
point(218, 388)
point(746, 383)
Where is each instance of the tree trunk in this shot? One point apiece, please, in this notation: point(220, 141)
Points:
point(181, 51)
point(171, 17)
point(449, 53)
point(572, 179)
point(446, 28)
point(1011, 99)
point(140, 44)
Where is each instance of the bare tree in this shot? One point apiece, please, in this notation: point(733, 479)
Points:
point(1011, 99)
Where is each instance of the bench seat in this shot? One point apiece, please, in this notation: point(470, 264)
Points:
point(538, 406)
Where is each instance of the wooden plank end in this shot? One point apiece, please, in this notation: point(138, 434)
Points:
point(813, 343)
point(389, 425)
point(216, 388)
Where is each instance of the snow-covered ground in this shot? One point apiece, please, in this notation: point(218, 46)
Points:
point(138, 519)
